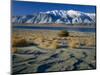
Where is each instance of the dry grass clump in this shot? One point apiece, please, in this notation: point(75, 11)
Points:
point(76, 42)
point(19, 42)
point(49, 45)
point(31, 38)
point(90, 42)
point(63, 33)
point(39, 40)
point(44, 44)
point(54, 45)
point(73, 43)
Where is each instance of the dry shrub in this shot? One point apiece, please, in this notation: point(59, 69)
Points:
point(39, 40)
point(90, 42)
point(63, 33)
point(49, 45)
point(73, 43)
point(19, 42)
point(43, 46)
point(82, 41)
point(54, 45)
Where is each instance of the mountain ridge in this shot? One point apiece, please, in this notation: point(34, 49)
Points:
point(56, 16)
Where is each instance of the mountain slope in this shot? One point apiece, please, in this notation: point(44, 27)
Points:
point(56, 16)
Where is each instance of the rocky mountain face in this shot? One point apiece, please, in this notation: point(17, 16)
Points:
point(56, 16)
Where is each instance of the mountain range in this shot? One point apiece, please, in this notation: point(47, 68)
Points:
point(56, 16)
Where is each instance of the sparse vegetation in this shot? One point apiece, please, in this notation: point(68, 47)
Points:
point(53, 50)
point(74, 43)
point(90, 42)
point(49, 45)
point(63, 33)
point(20, 42)
point(39, 40)
point(54, 45)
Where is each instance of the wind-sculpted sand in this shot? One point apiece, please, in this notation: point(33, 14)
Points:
point(44, 51)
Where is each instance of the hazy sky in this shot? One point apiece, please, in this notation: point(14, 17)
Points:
point(24, 8)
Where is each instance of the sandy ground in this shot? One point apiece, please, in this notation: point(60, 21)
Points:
point(36, 59)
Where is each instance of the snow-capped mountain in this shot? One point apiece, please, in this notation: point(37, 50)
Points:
point(56, 16)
